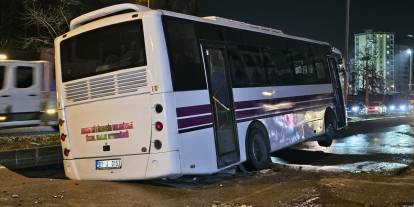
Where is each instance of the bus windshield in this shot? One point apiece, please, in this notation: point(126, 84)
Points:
point(103, 50)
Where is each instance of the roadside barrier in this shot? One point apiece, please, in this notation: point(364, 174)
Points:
point(18, 159)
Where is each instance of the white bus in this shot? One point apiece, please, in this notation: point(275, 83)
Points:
point(27, 94)
point(150, 93)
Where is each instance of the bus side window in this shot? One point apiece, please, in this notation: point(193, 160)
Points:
point(253, 66)
point(239, 76)
point(286, 73)
point(187, 71)
point(321, 67)
point(270, 65)
point(302, 63)
point(24, 77)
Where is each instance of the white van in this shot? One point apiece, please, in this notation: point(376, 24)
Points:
point(27, 94)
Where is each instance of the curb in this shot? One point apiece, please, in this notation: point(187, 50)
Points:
point(27, 158)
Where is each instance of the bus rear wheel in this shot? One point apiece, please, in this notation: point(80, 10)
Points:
point(329, 133)
point(257, 150)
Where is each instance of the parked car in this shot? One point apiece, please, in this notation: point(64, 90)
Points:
point(400, 106)
point(376, 108)
point(355, 108)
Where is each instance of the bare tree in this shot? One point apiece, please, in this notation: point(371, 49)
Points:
point(46, 21)
point(8, 21)
point(373, 81)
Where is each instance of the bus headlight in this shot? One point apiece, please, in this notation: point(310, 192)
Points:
point(392, 107)
point(403, 107)
point(51, 111)
point(3, 118)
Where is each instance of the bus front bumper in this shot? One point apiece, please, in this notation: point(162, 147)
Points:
point(134, 167)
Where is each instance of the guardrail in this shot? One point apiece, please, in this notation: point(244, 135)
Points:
point(26, 158)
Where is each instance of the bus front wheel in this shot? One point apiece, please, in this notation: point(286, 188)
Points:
point(257, 149)
point(329, 132)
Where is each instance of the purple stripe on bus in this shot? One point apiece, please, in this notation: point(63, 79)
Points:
point(258, 103)
point(195, 121)
point(193, 110)
point(208, 119)
point(262, 111)
point(203, 109)
point(251, 112)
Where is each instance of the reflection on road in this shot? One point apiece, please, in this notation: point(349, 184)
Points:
point(378, 148)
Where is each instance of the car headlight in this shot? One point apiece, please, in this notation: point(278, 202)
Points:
point(51, 111)
point(355, 109)
point(403, 107)
point(392, 107)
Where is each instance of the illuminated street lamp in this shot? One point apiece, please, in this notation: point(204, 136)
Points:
point(3, 57)
point(410, 53)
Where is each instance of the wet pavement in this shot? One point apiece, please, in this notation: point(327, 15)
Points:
point(381, 145)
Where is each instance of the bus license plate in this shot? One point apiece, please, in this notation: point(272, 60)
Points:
point(108, 164)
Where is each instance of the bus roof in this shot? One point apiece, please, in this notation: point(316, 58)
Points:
point(240, 25)
point(127, 8)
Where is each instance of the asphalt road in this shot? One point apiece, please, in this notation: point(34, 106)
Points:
point(369, 164)
point(378, 145)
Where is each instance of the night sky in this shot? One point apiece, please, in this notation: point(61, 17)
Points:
point(320, 19)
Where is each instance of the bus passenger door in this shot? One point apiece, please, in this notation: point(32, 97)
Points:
point(221, 99)
point(339, 97)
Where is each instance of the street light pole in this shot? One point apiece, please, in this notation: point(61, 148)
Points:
point(348, 3)
point(410, 83)
point(346, 84)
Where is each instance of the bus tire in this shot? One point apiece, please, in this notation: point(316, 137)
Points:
point(329, 131)
point(257, 149)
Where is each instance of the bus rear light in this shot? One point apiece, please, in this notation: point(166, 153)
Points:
point(159, 126)
point(158, 108)
point(63, 137)
point(66, 152)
